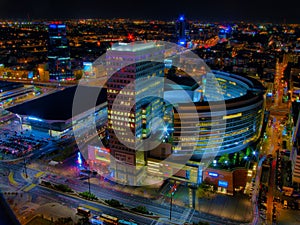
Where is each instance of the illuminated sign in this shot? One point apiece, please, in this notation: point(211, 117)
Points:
point(87, 69)
point(222, 183)
point(212, 174)
point(168, 63)
point(30, 74)
point(53, 26)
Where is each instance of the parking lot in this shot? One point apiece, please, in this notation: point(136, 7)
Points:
point(15, 143)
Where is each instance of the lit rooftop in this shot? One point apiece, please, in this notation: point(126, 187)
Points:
point(132, 47)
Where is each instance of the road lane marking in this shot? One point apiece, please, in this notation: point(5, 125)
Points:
point(91, 207)
point(28, 188)
point(11, 179)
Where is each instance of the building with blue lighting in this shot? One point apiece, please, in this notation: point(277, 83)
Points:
point(233, 129)
point(182, 31)
point(59, 53)
point(220, 132)
point(53, 115)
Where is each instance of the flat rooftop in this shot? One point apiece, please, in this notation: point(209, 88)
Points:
point(59, 105)
point(8, 86)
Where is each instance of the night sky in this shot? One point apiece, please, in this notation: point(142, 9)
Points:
point(212, 10)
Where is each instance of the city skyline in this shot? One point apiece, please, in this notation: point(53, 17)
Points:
point(142, 122)
point(231, 10)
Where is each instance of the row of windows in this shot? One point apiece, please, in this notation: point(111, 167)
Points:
point(238, 132)
point(121, 118)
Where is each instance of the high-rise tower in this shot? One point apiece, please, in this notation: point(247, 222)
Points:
point(182, 30)
point(59, 53)
point(135, 107)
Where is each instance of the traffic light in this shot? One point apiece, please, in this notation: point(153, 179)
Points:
point(173, 188)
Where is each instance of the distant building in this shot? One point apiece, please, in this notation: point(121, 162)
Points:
point(59, 53)
point(43, 72)
point(182, 31)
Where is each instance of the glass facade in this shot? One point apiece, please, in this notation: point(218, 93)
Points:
point(59, 53)
point(135, 106)
point(224, 132)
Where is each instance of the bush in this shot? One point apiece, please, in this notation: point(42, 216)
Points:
point(46, 183)
point(63, 188)
point(88, 195)
point(114, 203)
point(141, 209)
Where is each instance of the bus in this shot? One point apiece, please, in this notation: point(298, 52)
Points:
point(108, 219)
point(125, 222)
point(83, 211)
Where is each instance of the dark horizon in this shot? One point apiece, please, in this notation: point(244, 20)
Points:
point(230, 10)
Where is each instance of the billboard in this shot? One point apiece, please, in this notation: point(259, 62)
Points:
point(88, 70)
point(98, 154)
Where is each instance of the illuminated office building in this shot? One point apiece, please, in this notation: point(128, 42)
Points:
point(135, 106)
point(59, 53)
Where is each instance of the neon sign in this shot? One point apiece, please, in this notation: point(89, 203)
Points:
point(223, 183)
point(212, 174)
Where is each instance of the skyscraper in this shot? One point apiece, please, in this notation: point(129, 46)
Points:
point(182, 31)
point(59, 53)
point(135, 107)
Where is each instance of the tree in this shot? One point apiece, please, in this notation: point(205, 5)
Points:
point(223, 158)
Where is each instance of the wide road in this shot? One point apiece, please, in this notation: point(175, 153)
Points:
point(30, 185)
point(96, 208)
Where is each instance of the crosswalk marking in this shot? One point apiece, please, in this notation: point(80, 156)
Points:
point(39, 174)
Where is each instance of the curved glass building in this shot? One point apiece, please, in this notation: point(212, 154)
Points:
point(225, 125)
